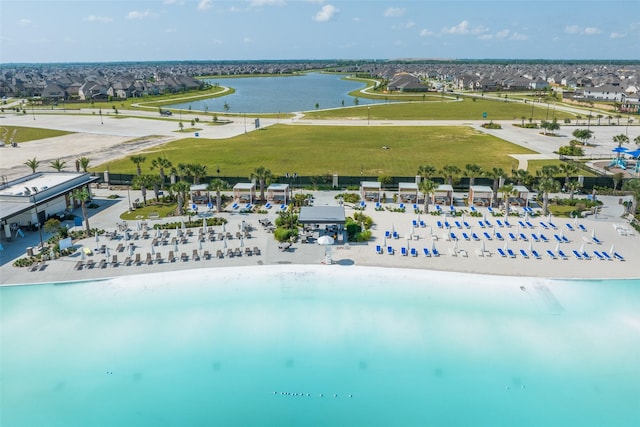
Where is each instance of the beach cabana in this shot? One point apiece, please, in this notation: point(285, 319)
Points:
point(244, 192)
point(408, 192)
point(480, 195)
point(325, 220)
point(278, 193)
point(520, 197)
point(199, 194)
point(370, 191)
point(443, 195)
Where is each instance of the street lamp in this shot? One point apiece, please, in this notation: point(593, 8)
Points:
point(218, 171)
point(368, 114)
point(101, 122)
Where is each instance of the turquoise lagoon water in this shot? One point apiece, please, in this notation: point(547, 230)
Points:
point(319, 346)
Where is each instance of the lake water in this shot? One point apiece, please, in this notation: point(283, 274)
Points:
point(320, 346)
point(281, 94)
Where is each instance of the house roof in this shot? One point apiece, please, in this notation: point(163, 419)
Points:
point(322, 215)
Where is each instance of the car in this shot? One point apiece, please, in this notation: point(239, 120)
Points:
point(166, 113)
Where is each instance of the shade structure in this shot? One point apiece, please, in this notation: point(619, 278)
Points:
point(326, 241)
point(634, 153)
point(620, 150)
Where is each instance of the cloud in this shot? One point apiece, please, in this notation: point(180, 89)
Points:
point(326, 13)
point(572, 29)
point(24, 21)
point(503, 34)
point(518, 36)
point(135, 14)
point(426, 32)
point(394, 12)
point(615, 35)
point(576, 29)
point(204, 5)
point(405, 26)
point(172, 2)
point(100, 19)
point(259, 3)
point(247, 40)
point(592, 31)
point(464, 28)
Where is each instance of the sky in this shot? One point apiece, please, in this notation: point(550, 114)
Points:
point(45, 31)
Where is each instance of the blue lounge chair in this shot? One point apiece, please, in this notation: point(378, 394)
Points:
point(435, 252)
point(507, 224)
point(465, 236)
point(487, 223)
point(439, 224)
point(618, 256)
point(524, 253)
point(452, 209)
point(513, 237)
point(511, 253)
point(499, 236)
point(535, 254)
point(599, 256)
point(458, 225)
point(558, 238)
point(596, 240)
point(395, 235)
point(552, 225)
point(551, 254)
point(523, 237)
point(387, 234)
point(570, 227)
point(490, 209)
point(234, 206)
point(267, 205)
point(453, 236)
point(487, 235)
point(481, 224)
point(414, 252)
point(248, 206)
point(500, 224)
point(544, 238)
point(582, 227)
point(403, 251)
point(607, 256)
point(543, 225)
point(473, 209)
point(426, 252)
point(475, 237)
point(283, 207)
point(363, 205)
point(378, 206)
point(401, 206)
point(415, 207)
point(379, 249)
point(466, 224)
point(447, 225)
point(562, 255)
point(390, 250)
point(586, 255)
point(565, 239)
point(535, 238)
point(422, 224)
point(576, 254)
point(439, 208)
point(529, 224)
point(414, 223)
point(501, 253)
point(522, 224)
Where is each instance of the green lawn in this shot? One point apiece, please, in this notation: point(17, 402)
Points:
point(25, 134)
point(319, 150)
point(464, 109)
point(537, 165)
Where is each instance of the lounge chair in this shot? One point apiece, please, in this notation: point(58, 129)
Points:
point(500, 224)
point(465, 236)
point(481, 224)
point(439, 224)
point(120, 247)
point(158, 258)
point(403, 251)
point(237, 252)
point(435, 252)
point(415, 207)
point(490, 209)
point(171, 257)
point(235, 206)
point(268, 205)
point(35, 266)
point(195, 256)
point(524, 254)
point(522, 224)
point(90, 264)
point(413, 252)
point(230, 253)
point(576, 254)
point(475, 237)
point(396, 235)
point(507, 224)
point(466, 224)
point(544, 225)
point(607, 256)
point(513, 237)
point(488, 224)
point(529, 224)
point(535, 237)
point(552, 225)
point(138, 261)
point(426, 252)
point(458, 225)
point(551, 254)
point(422, 224)
point(511, 253)
point(618, 256)
point(414, 223)
point(149, 260)
point(562, 255)
point(379, 249)
point(127, 261)
point(535, 254)
point(523, 237)
point(501, 253)
point(390, 250)
point(283, 207)
point(247, 251)
point(102, 263)
point(596, 240)
point(487, 235)
point(586, 255)
point(570, 227)
point(256, 250)
point(565, 239)
point(219, 254)
point(544, 238)
point(558, 238)
point(453, 236)
point(79, 265)
point(599, 256)
point(114, 261)
point(206, 255)
point(363, 205)
point(582, 227)
point(447, 225)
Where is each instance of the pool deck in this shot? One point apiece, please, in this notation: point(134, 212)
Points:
point(457, 256)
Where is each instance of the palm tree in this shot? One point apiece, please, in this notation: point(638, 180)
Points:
point(57, 164)
point(427, 171)
point(144, 182)
point(138, 160)
point(33, 164)
point(427, 187)
point(218, 185)
point(262, 174)
point(162, 164)
point(181, 171)
point(450, 172)
point(523, 177)
point(637, 140)
point(197, 171)
point(496, 174)
point(583, 135)
point(633, 185)
point(620, 139)
point(472, 170)
point(572, 186)
point(547, 185)
point(82, 194)
point(181, 188)
point(506, 191)
point(567, 169)
point(548, 171)
point(617, 179)
point(84, 163)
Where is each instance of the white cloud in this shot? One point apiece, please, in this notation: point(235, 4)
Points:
point(100, 19)
point(135, 14)
point(572, 29)
point(503, 34)
point(247, 40)
point(259, 3)
point(464, 28)
point(326, 13)
point(204, 5)
point(394, 11)
point(24, 21)
point(590, 31)
point(615, 35)
point(404, 26)
point(518, 36)
point(486, 37)
point(576, 29)
point(426, 32)
point(172, 2)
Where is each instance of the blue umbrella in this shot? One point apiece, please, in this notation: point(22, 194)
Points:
point(619, 150)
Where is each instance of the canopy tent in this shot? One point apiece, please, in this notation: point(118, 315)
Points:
point(371, 190)
point(278, 193)
point(480, 195)
point(443, 195)
point(244, 192)
point(520, 197)
point(199, 194)
point(408, 192)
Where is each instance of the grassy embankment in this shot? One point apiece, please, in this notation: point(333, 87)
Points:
point(26, 134)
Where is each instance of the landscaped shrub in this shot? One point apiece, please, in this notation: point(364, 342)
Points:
point(349, 197)
point(491, 125)
point(285, 234)
point(569, 150)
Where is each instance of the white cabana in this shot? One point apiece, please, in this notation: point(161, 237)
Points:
point(443, 195)
point(520, 197)
point(480, 195)
point(199, 194)
point(244, 192)
point(278, 193)
point(370, 191)
point(408, 192)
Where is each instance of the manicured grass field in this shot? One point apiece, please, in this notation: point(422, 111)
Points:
point(319, 150)
point(24, 134)
point(464, 109)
